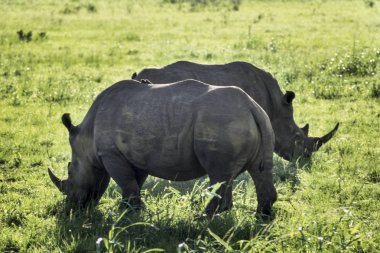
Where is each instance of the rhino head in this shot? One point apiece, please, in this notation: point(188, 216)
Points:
point(87, 179)
point(293, 142)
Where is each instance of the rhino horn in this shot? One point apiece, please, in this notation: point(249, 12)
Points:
point(322, 140)
point(305, 129)
point(57, 182)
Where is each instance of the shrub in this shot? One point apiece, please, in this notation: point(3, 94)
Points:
point(359, 64)
point(375, 90)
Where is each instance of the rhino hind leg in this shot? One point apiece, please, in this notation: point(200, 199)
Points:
point(140, 178)
point(218, 168)
point(127, 179)
point(265, 190)
point(222, 203)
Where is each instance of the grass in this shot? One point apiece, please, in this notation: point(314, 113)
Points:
point(325, 51)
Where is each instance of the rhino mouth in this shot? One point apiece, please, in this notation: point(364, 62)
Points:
point(60, 184)
point(319, 141)
point(80, 198)
point(315, 143)
point(290, 152)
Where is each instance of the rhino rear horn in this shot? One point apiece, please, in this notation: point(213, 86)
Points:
point(305, 129)
point(57, 182)
point(322, 140)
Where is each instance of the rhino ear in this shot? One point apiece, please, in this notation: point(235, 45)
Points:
point(133, 75)
point(288, 97)
point(305, 129)
point(66, 120)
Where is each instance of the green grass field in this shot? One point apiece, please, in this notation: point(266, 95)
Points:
point(328, 52)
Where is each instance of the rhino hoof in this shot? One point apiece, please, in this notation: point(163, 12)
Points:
point(132, 207)
point(205, 216)
point(265, 215)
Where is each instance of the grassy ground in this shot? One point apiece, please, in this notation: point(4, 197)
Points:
point(328, 52)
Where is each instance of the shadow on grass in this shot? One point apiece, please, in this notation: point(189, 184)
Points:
point(78, 228)
point(166, 225)
point(197, 235)
point(283, 172)
point(171, 233)
point(288, 171)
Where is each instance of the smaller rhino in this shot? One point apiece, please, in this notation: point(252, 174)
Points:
point(177, 131)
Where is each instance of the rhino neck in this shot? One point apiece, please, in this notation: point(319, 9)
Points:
point(280, 149)
point(268, 100)
point(87, 133)
point(266, 92)
point(84, 145)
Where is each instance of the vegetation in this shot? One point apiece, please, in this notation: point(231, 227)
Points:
point(56, 56)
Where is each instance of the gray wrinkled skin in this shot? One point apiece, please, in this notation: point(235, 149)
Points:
point(178, 131)
point(291, 141)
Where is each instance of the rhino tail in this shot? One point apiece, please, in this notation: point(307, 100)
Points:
point(267, 136)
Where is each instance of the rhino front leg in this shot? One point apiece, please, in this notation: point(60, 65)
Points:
point(265, 190)
point(126, 178)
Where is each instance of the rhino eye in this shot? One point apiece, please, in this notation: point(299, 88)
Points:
point(298, 140)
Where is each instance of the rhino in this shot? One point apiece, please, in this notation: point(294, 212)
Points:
point(291, 142)
point(178, 131)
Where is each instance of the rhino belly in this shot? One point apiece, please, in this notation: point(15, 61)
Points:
point(169, 157)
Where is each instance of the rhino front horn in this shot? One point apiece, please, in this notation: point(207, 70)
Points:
point(322, 140)
point(56, 181)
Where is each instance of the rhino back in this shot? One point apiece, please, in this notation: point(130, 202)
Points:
point(257, 83)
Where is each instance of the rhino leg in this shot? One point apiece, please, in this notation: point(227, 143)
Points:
point(126, 178)
point(101, 186)
point(218, 205)
point(140, 177)
point(265, 190)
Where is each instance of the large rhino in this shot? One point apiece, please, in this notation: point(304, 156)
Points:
point(177, 131)
point(292, 142)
